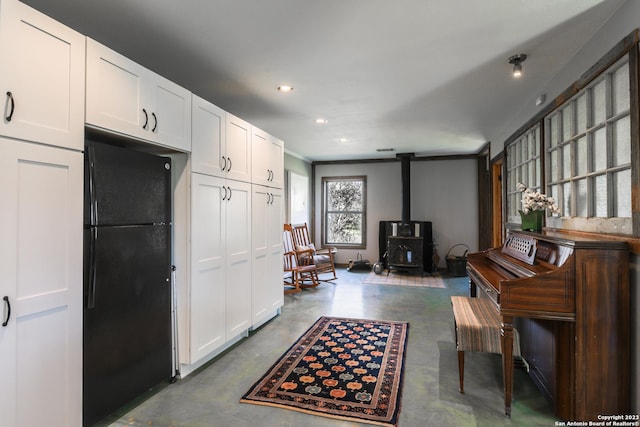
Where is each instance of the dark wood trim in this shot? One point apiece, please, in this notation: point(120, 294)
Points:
point(634, 87)
point(485, 202)
point(395, 159)
point(497, 200)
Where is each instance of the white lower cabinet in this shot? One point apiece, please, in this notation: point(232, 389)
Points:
point(220, 282)
point(267, 295)
point(41, 286)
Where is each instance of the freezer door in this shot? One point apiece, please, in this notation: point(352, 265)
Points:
point(124, 186)
point(127, 332)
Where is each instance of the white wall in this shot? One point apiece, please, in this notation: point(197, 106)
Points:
point(443, 192)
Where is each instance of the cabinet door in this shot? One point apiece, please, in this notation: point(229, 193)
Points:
point(238, 262)
point(115, 92)
point(41, 264)
point(207, 296)
point(41, 78)
point(260, 255)
point(238, 149)
point(208, 134)
point(267, 294)
point(274, 247)
point(170, 109)
point(276, 161)
point(260, 152)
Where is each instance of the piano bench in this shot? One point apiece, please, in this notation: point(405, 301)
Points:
point(477, 328)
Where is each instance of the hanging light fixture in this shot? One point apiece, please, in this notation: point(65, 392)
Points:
point(517, 61)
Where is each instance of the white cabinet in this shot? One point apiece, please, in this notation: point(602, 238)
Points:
point(124, 97)
point(220, 295)
point(238, 254)
point(268, 159)
point(221, 142)
point(41, 78)
point(208, 135)
point(207, 296)
point(237, 151)
point(41, 264)
point(267, 294)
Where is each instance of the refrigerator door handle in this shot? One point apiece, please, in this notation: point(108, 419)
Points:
point(91, 291)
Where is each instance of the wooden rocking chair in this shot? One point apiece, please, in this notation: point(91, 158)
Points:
point(324, 259)
point(296, 273)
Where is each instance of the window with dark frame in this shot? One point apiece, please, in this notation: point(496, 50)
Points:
point(588, 149)
point(523, 166)
point(586, 161)
point(344, 211)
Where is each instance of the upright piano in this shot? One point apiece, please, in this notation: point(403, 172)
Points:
point(568, 297)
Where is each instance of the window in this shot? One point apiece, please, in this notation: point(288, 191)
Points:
point(523, 165)
point(579, 151)
point(344, 201)
point(588, 152)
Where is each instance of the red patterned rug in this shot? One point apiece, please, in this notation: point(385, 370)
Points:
point(341, 368)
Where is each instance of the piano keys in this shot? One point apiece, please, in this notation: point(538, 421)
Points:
point(568, 295)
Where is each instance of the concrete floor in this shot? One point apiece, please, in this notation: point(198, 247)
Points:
point(209, 397)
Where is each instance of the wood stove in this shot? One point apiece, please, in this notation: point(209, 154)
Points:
point(394, 238)
point(406, 244)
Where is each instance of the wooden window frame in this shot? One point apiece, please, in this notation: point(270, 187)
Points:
point(324, 212)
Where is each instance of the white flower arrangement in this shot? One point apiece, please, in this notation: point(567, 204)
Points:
point(535, 201)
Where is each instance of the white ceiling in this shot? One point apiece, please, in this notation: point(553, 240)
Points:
point(424, 76)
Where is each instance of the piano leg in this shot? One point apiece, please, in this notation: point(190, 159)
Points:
point(506, 334)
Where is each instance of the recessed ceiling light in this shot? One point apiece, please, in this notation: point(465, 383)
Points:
point(285, 88)
point(321, 121)
point(343, 139)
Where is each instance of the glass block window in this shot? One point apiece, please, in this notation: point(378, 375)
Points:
point(588, 150)
point(523, 165)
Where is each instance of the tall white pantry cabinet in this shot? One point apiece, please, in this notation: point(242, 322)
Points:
point(41, 171)
point(230, 289)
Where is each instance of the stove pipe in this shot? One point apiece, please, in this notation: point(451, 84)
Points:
point(405, 172)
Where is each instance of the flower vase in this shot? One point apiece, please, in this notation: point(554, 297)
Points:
point(532, 221)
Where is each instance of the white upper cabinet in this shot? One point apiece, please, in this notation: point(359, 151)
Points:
point(124, 97)
point(208, 154)
point(268, 161)
point(276, 157)
point(41, 78)
point(237, 162)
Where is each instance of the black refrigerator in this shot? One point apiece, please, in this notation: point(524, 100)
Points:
point(127, 346)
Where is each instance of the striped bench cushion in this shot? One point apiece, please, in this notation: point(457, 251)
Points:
point(478, 326)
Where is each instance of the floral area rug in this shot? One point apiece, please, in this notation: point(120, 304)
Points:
point(404, 279)
point(340, 368)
